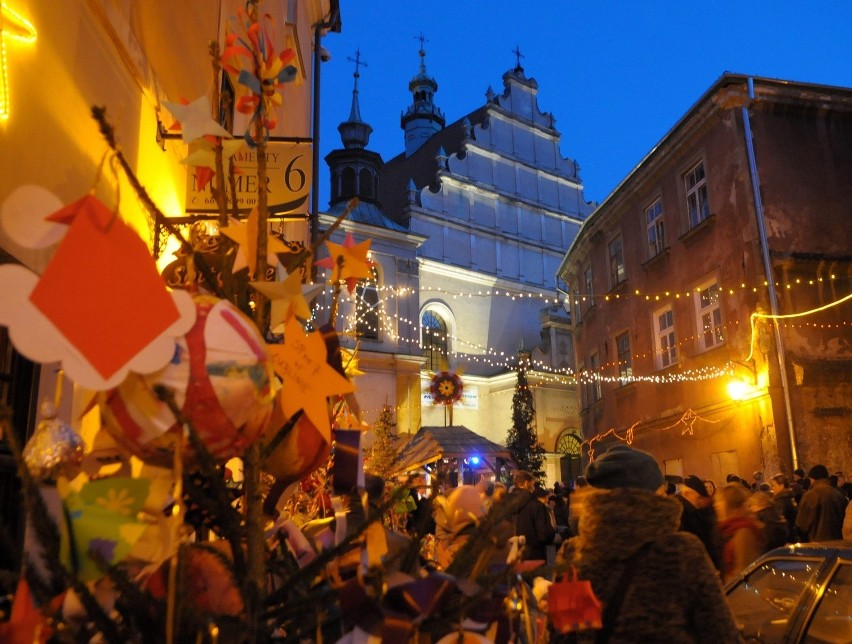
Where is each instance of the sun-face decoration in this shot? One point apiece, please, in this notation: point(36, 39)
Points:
point(446, 388)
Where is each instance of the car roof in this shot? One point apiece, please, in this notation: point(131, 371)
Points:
point(841, 548)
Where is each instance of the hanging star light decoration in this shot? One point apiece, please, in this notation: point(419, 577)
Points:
point(348, 262)
point(288, 298)
point(245, 235)
point(195, 120)
point(308, 379)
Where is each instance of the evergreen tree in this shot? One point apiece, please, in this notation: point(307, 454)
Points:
point(522, 441)
point(384, 450)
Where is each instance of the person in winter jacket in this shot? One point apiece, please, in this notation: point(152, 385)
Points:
point(674, 595)
point(532, 518)
point(785, 504)
point(743, 540)
point(821, 509)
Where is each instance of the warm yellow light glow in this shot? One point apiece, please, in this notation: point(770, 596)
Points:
point(13, 26)
point(740, 389)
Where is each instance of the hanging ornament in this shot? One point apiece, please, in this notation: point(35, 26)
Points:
point(54, 449)
point(446, 388)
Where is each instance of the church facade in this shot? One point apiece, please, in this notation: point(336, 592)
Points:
point(469, 224)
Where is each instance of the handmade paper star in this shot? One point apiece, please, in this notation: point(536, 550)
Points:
point(288, 298)
point(204, 156)
point(195, 120)
point(309, 380)
point(349, 358)
point(348, 262)
point(245, 234)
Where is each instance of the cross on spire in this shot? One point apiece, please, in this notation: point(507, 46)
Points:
point(518, 56)
point(422, 40)
point(357, 61)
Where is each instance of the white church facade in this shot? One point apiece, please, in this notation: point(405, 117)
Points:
point(469, 225)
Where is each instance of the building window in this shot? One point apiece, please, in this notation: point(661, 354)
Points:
point(695, 182)
point(616, 262)
point(656, 228)
point(587, 285)
point(594, 387)
point(365, 184)
point(665, 338)
point(625, 362)
point(434, 341)
point(578, 310)
point(347, 187)
point(367, 307)
point(709, 313)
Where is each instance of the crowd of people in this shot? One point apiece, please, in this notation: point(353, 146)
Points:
point(624, 515)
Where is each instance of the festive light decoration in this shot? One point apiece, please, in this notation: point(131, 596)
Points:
point(13, 26)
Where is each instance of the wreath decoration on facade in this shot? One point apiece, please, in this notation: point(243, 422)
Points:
point(446, 388)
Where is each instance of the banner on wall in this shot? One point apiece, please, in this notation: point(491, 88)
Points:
point(288, 176)
point(469, 399)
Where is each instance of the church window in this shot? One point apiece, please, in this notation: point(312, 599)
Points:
point(365, 184)
point(625, 363)
point(367, 307)
point(347, 188)
point(435, 345)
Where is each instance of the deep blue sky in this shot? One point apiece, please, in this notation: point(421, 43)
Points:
point(616, 75)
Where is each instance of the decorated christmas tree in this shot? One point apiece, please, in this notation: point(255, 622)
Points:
point(521, 439)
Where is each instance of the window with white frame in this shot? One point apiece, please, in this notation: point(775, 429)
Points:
point(587, 286)
point(367, 307)
point(665, 338)
point(708, 310)
point(435, 341)
point(625, 362)
point(695, 183)
point(595, 378)
point(656, 228)
point(617, 272)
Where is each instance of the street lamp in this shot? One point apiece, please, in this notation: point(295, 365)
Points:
point(744, 385)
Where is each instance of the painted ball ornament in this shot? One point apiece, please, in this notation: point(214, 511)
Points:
point(54, 448)
point(221, 378)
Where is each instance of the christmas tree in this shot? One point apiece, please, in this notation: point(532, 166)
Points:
point(521, 439)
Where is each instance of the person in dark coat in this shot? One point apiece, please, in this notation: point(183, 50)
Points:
point(675, 595)
point(699, 517)
point(532, 519)
point(785, 504)
point(822, 508)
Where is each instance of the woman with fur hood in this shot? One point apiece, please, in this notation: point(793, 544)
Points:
point(673, 593)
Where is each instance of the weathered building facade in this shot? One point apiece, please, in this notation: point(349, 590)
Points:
point(696, 283)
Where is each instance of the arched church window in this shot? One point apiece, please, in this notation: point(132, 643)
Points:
point(365, 183)
point(569, 442)
point(434, 341)
point(367, 307)
point(347, 184)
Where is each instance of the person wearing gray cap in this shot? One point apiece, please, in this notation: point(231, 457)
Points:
point(656, 584)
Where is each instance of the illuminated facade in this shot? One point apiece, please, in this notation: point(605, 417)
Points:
point(666, 275)
point(481, 211)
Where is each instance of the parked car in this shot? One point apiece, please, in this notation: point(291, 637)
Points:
point(798, 593)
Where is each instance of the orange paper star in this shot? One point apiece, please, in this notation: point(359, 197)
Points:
point(348, 262)
point(245, 234)
point(308, 378)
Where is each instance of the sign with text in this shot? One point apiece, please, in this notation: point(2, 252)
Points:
point(288, 177)
point(469, 399)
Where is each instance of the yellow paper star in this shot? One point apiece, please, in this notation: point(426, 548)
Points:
point(288, 298)
point(205, 155)
point(348, 261)
point(308, 380)
point(195, 120)
point(245, 234)
point(349, 358)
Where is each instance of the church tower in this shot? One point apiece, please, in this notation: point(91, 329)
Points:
point(354, 169)
point(423, 118)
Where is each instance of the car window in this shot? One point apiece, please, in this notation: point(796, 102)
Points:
point(832, 622)
point(763, 602)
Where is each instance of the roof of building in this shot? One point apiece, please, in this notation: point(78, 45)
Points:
point(455, 441)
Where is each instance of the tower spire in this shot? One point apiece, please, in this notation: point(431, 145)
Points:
point(355, 113)
point(422, 118)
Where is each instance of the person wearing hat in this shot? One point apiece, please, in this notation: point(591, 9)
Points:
point(699, 517)
point(821, 510)
point(630, 548)
point(531, 518)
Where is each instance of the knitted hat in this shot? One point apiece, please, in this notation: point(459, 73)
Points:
point(818, 472)
point(623, 466)
point(695, 483)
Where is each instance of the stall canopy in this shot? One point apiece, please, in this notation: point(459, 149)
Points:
point(456, 441)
